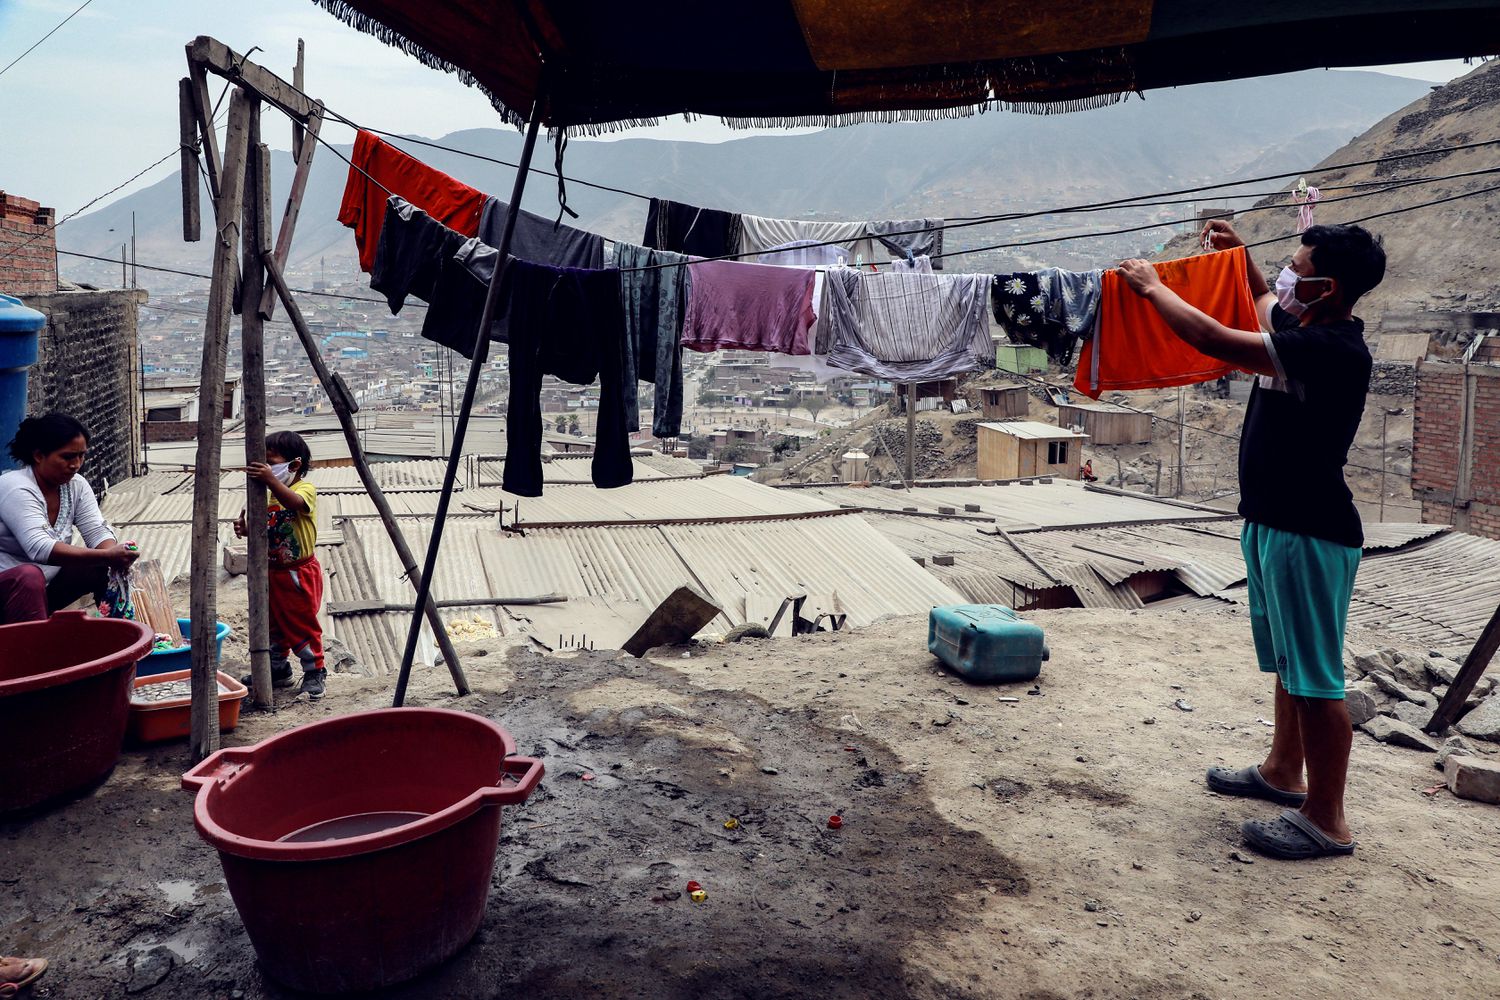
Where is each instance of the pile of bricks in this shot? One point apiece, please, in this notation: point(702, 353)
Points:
point(28, 248)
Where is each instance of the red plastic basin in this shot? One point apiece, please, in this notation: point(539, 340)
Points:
point(359, 849)
point(64, 699)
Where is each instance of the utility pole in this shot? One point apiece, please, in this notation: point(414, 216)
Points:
point(1181, 436)
point(135, 274)
point(1384, 417)
point(911, 432)
point(124, 265)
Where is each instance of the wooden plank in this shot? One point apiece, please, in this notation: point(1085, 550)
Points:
point(677, 619)
point(1474, 666)
point(187, 134)
point(216, 57)
point(361, 466)
point(204, 738)
point(293, 204)
point(203, 110)
point(255, 235)
point(297, 82)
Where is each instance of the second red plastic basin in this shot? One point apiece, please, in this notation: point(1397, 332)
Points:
point(64, 698)
point(359, 850)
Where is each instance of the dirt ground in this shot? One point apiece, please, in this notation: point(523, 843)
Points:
point(1058, 846)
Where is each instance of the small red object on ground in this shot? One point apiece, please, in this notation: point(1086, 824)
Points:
point(587, 776)
point(693, 886)
point(835, 822)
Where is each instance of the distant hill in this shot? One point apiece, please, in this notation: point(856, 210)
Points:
point(1443, 257)
point(991, 162)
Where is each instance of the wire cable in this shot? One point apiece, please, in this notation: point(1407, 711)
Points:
point(48, 35)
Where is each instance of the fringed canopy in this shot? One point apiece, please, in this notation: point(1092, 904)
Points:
point(823, 62)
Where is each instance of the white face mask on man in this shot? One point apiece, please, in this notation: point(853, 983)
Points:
point(1286, 291)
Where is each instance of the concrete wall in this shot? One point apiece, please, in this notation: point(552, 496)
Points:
point(28, 249)
point(157, 431)
point(89, 366)
point(1456, 446)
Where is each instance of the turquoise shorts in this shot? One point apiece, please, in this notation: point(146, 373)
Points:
point(1299, 601)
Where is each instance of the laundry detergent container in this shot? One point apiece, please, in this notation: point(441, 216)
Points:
point(986, 642)
point(359, 850)
point(64, 700)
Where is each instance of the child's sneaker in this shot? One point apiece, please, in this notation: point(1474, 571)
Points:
point(281, 676)
point(313, 683)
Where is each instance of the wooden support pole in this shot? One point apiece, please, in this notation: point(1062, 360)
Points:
point(294, 203)
point(297, 82)
point(1181, 436)
point(480, 355)
point(187, 134)
point(214, 56)
point(204, 738)
point(1474, 665)
point(911, 432)
point(372, 487)
point(203, 110)
point(257, 238)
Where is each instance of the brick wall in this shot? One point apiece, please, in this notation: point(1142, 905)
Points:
point(156, 431)
point(28, 249)
point(89, 366)
point(1442, 408)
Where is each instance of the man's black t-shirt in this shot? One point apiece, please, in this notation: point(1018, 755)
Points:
point(1299, 426)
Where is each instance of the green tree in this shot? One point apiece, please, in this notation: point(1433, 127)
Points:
point(562, 424)
point(813, 403)
point(573, 425)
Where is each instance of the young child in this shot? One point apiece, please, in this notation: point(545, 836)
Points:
point(296, 579)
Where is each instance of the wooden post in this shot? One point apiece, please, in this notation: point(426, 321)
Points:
point(1181, 437)
point(257, 238)
point(187, 135)
point(911, 432)
point(1474, 664)
point(293, 202)
point(297, 76)
point(204, 738)
point(203, 109)
point(372, 487)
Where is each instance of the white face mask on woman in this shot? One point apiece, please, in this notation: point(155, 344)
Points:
point(1286, 291)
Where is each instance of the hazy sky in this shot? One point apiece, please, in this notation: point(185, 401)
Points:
point(97, 101)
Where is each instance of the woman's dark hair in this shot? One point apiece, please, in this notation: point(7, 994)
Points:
point(45, 434)
point(1348, 254)
point(289, 445)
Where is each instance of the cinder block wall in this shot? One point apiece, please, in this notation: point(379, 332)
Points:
point(89, 366)
point(1441, 410)
point(28, 249)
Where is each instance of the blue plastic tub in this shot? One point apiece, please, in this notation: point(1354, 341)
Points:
point(180, 658)
point(986, 642)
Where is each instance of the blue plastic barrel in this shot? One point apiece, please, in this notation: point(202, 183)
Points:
point(19, 327)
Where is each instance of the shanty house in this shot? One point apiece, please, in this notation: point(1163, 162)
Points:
point(1021, 448)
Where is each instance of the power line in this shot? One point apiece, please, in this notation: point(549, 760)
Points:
point(48, 35)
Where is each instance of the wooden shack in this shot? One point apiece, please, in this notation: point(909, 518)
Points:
point(1004, 402)
point(1106, 423)
point(1023, 448)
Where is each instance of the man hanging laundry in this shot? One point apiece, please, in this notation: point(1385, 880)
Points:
point(1302, 536)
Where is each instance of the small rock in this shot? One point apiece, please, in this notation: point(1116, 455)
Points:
point(1398, 733)
point(1484, 722)
point(1396, 689)
point(1360, 705)
point(1150, 720)
point(1411, 671)
point(1413, 715)
point(1473, 778)
point(1092, 905)
point(1453, 746)
point(1195, 916)
point(1442, 669)
point(1181, 704)
point(149, 969)
point(1242, 858)
point(769, 770)
point(1137, 866)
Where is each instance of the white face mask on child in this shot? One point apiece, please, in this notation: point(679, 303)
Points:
point(283, 471)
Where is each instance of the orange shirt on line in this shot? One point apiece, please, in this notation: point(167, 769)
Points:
point(1135, 347)
point(451, 202)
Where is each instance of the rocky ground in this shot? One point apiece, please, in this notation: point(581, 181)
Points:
point(994, 843)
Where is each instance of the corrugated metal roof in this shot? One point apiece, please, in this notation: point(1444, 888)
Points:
point(1396, 535)
point(1018, 505)
point(1095, 592)
point(1033, 430)
point(419, 474)
point(1441, 592)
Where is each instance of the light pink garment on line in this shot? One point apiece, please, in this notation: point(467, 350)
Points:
point(733, 305)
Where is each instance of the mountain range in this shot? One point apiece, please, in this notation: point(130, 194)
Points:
point(993, 162)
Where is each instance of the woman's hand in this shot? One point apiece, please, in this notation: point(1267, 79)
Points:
point(119, 557)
